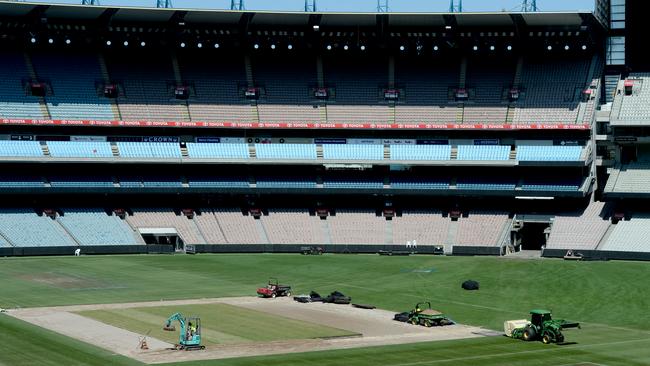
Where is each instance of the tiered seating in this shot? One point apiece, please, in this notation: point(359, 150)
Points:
point(237, 228)
point(161, 218)
point(360, 183)
point(80, 149)
point(487, 80)
point(357, 227)
point(481, 228)
point(419, 183)
point(357, 79)
point(426, 91)
point(169, 150)
point(286, 151)
point(548, 153)
point(550, 185)
point(486, 183)
point(217, 89)
point(20, 181)
point(353, 152)
point(95, 227)
point(633, 177)
point(161, 182)
point(292, 226)
point(208, 226)
point(217, 151)
point(4, 243)
point(630, 236)
point(26, 149)
point(426, 227)
point(278, 113)
point(358, 114)
point(148, 93)
point(285, 182)
point(218, 182)
point(24, 228)
point(483, 152)
point(420, 152)
point(73, 78)
point(81, 182)
point(14, 101)
point(551, 91)
point(580, 230)
point(637, 105)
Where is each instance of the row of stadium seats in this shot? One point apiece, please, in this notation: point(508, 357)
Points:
point(549, 90)
point(229, 226)
point(171, 150)
point(173, 182)
point(637, 105)
point(24, 228)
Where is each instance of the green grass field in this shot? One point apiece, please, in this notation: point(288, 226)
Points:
point(609, 298)
point(221, 323)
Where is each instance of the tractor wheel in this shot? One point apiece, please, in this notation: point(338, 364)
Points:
point(559, 338)
point(428, 323)
point(546, 339)
point(288, 293)
point(413, 321)
point(529, 334)
point(273, 295)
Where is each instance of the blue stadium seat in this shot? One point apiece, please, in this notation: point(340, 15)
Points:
point(286, 151)
point(95, 227)
point(285, 182)
point(549, 153)
point(420, 152)
point(24, 228)
point(353, 152)
point(485, 184)
point(156, 150)
point(353, 183)
point(81, 182)
point(31, 149)
point(483, 152)
point(80, 149)
point(401, 183)
point(217, 151)
point(218, 182)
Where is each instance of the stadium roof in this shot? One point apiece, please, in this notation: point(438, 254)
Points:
point(120, 14)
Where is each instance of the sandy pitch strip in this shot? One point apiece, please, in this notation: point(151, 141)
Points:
point(376, 326)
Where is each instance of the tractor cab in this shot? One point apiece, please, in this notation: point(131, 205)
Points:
point(189, 337)
point(538, 317)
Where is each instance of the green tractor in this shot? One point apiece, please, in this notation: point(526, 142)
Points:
point(425, 316)
point(540, 327)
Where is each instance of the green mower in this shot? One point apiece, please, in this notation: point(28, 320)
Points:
point(425, 316)
point(540, 327)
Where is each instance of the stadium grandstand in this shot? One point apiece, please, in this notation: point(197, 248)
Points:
point(127, 130)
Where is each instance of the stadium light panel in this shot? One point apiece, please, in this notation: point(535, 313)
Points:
point(566, 48)
point(289, 47)
point(509, 48)
point(50, 41)
point(475, 48)
point(316, 28)
point(435, 48)
point(68, 41)
point(256, 46)
point(549, 47)
point(402, 48)
point(216, 45)
point(126, 43)
point(363, 48)
point(108, 43)
point(182, 44)
point(143, 43)
point(33, 40)
point(584, 48)
point(346, 47)
point(447, 26)
point(329, 47)
point(491, 48)
point(199, 45)
point(272, 46)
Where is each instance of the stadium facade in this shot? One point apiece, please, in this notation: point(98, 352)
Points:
point(145, 130)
